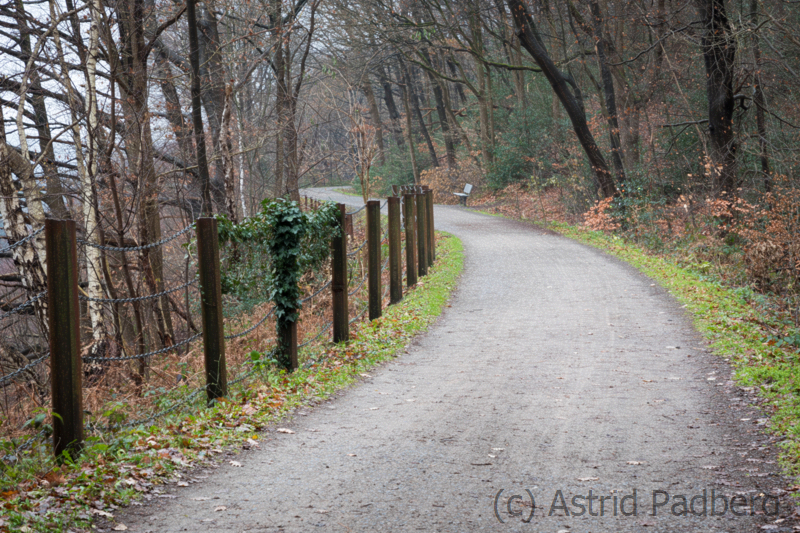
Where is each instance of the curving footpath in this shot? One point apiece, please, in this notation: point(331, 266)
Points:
point(559, 374)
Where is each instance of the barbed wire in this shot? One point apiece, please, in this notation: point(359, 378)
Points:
point(317, 336)
point(21, 241)
point(23, 305)
point(357, 210)
point(243, 377)
point(354, 252)
point(251, 328)
point(307, 298)
point(143, 355)
point(138, 298)
point(27, 444)
point(137, 248)
point(151, 418)
point(9, 377)
point(359, 315)
point(361, 284)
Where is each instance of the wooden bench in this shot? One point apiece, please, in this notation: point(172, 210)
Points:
point(462, 196)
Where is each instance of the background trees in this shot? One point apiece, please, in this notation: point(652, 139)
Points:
point(654, 102)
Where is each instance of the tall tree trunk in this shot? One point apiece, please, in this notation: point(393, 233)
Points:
point(391, 107)
point(226, 152)
point(418, 112)
point(29, 258)
point(409, 132)
point(608, 90)
point(212, 76)
point(570, 99)
point(719, 53)
point(139, 149)
point(54, 197)
point(197, 111)
point(759, 101)
point(375, 117)
point(443, 121)
point(279, 68)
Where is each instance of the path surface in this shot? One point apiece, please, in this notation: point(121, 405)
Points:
point(557, 368)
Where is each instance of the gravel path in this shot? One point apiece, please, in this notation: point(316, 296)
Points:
point(557, 368)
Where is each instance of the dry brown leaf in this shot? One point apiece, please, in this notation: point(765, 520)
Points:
point(285, 430)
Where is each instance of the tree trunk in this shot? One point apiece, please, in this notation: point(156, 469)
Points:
point(608, 91)
point(375, 117)
point(759, 101)
point(212, 76)
point(54, 189)
point(29, 258)
point(409, 134)
point(529, 37)
point(139, 149)
point(226, 151)
point(391, 107)
point(417, 111)
point(719, 53)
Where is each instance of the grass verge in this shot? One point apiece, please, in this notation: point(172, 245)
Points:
point(115, 469)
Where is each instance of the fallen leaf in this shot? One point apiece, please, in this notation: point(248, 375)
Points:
point(183, 484)
point(220, 508)
point(120, 527)
point(102, 513)
point(235, 463)
point(635, 462)
point(285, 430)
point(351, 455)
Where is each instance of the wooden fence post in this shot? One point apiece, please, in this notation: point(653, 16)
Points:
point(348, 225)
point(374, 258)
point(63, 317)
point(395, 261)
point(429, 221)
point(422, 235)
point(211, 307)
point(409, 214)
point(287, 337)
point(341, 319)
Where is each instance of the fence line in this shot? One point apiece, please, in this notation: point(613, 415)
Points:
point(208, 259)
point(137, 248)
point(21, 241)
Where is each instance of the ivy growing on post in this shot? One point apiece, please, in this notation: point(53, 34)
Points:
point(295, 243)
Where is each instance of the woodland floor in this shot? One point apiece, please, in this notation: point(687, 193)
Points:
point(556, 368)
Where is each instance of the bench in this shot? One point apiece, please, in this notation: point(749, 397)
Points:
point(462, 196)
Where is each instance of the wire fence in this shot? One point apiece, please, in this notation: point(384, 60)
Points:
point(173, 369)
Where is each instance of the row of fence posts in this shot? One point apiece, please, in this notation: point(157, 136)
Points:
point(63, 306)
